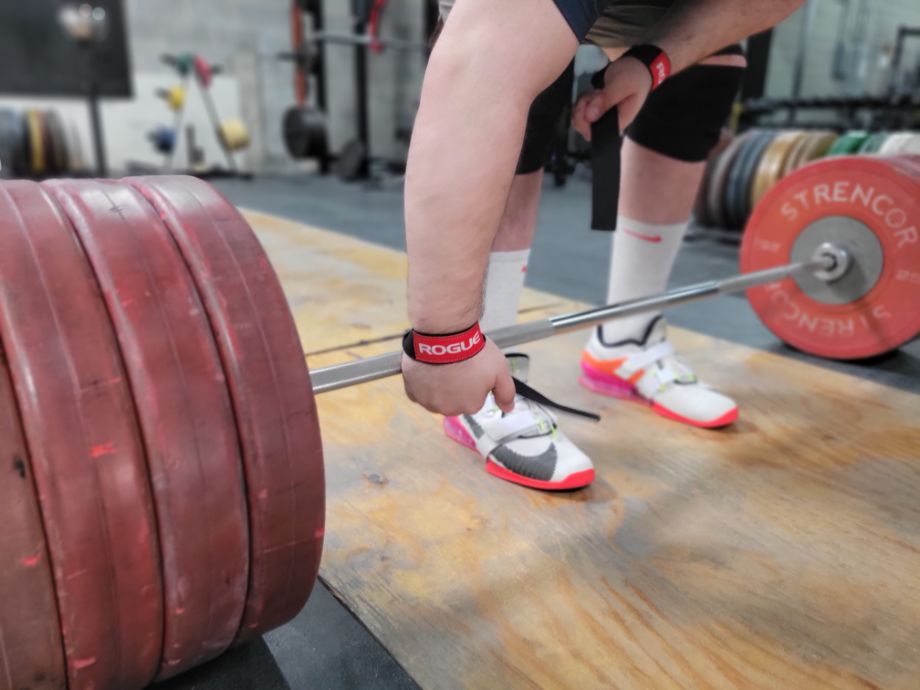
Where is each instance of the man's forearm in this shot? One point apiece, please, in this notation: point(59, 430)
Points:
point(695, 29)
point(489, 63)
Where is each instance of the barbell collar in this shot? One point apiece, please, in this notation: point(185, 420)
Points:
point(825, 261)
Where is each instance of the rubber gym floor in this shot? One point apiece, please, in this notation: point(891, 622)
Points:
point(326, 646)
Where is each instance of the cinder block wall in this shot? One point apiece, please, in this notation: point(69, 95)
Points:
point(241, 35)
point(245, 36)
point(867, 48)
point(394, 78)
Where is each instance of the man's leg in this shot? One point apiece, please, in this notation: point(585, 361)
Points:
point(481, 79)
point(511, 252)
point(663, 162)
point(656, 196)
point(511, 247)
point(525, 447)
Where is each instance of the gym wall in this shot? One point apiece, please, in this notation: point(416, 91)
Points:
point(127, 122)
point(241, 35)
point(394, 78)
point(864, 49)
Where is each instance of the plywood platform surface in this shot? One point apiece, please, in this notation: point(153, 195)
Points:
point(783, 552)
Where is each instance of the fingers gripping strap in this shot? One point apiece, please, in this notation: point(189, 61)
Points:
point(526, 391)
point(444, 349)
point(504, 428)
point(605, 170)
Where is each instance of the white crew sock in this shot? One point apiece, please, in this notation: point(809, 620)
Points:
point(642, 256)
point(504, 282)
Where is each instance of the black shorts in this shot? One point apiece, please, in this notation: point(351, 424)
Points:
point(581, 14)
point(607, 23)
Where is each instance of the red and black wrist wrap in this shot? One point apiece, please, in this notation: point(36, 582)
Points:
point(655, 59)
point(444, 348)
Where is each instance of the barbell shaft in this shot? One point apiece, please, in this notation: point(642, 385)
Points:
point(373, 368)
point(366, 40)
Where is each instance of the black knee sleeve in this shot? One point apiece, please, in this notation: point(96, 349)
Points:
point(682, 118)
point(543, 122)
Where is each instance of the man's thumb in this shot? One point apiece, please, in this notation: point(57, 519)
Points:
point(504, 391)
point(596, 107)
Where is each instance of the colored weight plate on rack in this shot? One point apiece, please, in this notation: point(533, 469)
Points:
point(819, 143)
point(185, 414)
point(204, 71)
point(58, 151)
point(892, 145)
point(730, 201)
point(10, 143)
point(26, 145)
point(848, 143)
point(175, 97)
point(304, 130)
point(744, 192)
point(36, 142)
point(873, 143)
point(270, 388)
point(700, 207)
point(739, 183)
point(82, 435)
point(795, 154)
point(715, 193)
point(185, 63)
point(773, 162)
point(233, 134)
point(910, 145)
point(30, 646)
point(75, 149)
point(869, 206)
point(47, 144)
point(163, 139)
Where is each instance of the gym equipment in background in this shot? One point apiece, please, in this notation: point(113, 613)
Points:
point(232, 135)
point(304, 125)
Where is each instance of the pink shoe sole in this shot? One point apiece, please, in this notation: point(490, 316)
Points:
point(604, 384)
point(455, 431)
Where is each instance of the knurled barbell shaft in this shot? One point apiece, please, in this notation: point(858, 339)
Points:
point(373, 368)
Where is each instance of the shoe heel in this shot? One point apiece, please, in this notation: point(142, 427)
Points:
point(604, 384)
point(454, 430)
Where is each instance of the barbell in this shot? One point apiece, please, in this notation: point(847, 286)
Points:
point(162, 492)
point(828, 262)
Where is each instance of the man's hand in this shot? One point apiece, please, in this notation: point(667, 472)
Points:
point(627, 84)
point(461, 388)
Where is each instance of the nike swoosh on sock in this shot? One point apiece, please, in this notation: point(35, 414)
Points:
point(648, 238)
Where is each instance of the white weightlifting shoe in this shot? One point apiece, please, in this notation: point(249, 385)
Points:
point(524, 446)
point(646, 371)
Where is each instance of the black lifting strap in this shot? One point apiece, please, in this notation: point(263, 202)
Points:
point(605, 165)
point(526, 391)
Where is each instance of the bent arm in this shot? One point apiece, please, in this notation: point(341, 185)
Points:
point(694, 29)
point(489, 63)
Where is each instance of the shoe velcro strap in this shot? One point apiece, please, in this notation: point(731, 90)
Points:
point(516, 424)
point(642, 359)
point(662, 377)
